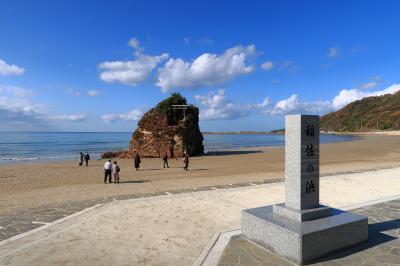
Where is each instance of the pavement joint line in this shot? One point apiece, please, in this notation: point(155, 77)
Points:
point(369, 203)
point(19, 236)
point(35, 222)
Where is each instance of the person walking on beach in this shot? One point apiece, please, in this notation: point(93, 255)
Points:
point(115, 172)
point(165, 160)
point(87, 158)
point(107, 171)
point(137, 161)
point(186, 161)
point(81, 158)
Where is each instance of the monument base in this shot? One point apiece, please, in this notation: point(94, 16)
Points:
point(303, 242)
point(303, 215)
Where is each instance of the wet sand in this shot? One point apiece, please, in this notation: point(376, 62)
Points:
point(33, 185)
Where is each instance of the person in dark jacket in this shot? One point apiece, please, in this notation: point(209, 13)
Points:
point(81, 156)
point(87, 158)
point(165, 160)
point(186, 161)
point(137, 161)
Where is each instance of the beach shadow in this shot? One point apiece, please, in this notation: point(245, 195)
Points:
point(189, 169)
point(151, 169)
point(134, 181)
point(219, 153)
point(376, 237)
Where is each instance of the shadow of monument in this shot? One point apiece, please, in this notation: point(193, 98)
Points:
point(376, 237)
point(134, 181)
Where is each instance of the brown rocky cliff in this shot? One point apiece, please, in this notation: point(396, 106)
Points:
point(156, 135)
point(163, 130)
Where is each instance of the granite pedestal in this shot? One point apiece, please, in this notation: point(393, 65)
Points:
point(303, 242)
point(301, 229)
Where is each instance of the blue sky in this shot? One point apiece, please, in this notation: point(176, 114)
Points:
point(98, 65)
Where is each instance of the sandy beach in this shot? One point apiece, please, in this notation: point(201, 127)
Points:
point(33, 185)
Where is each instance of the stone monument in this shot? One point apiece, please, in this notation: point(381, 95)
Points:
point(300, 229)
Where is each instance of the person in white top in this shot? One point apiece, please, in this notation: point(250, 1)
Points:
point(115, 172)
point(107, 171)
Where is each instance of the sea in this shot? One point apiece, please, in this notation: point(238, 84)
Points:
point(17, 147)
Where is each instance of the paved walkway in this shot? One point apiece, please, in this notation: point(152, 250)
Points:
point(382, 248)
point(171, 229)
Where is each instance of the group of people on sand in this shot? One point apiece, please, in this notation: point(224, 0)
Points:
point(185, 161)
point(111, 170)
point(84, 157)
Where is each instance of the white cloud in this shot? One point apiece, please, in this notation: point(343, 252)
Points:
point(17, 111)
point(16, 99)
point(130, 72)
point(288, 65)
point(375, 81)
point(369, 85)
point(134, 43)
point(216, 106)
point(206, 70)
point(293, 105)
point(93, 93)
point(266, 103)
point(268, 65)
point(333, 52)
point(16, 91)
point(20, 105)
point(72, 118)
point(133, 115)
point(8, 70)
point(347, 96)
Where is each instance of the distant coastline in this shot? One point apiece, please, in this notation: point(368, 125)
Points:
point(273, 132)
point(282, 132)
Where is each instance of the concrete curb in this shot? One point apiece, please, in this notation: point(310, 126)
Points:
point(212, 252)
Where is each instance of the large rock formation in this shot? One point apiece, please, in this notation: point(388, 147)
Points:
point(163, 129)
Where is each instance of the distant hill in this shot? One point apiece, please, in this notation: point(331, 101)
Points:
point(371, 113)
